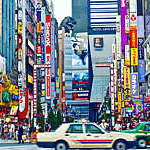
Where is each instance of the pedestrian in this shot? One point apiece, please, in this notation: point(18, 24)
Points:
point(117, 126)
point(26, 131)
point(20, 133)
point(49, 127)
point(2, 132)
point(124, 126)
point(6, 131)
point(103, 124)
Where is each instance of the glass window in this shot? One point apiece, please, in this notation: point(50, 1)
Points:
point(92, 129)
point(75, 128)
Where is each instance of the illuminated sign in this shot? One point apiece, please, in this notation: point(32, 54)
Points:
point(20, 27)
point(20, 54)
point(127, 24)
point(98, 43)
point(39, 51)
point(119, 101)
point(127, 55)
point(134, 56)
point(134, 84)
point(133, 38)
point(38, 27)
point(21, 99)
point(19, 40)
point(52, 49)
point(133, 21)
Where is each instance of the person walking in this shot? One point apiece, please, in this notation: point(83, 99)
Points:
point(103, 124)
point(20, 133)
point(117, 126)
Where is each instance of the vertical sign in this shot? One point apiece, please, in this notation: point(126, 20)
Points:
point(123, 34)
point(52, 94)
point(52, 49)
point(34, 91)
point(43, 20)
point(141, 71)
point(127, 24)
point(119, 101)
point(134, 84)
point(127, 55)
point(48, 53)
point(127, 82)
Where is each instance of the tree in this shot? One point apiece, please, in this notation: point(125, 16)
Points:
point(52, 120)
point(59, 118)
point(40, 116)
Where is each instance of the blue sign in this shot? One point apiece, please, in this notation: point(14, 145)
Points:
point(134, 84)
point(140, 48)
point(52, 49)
point(141, 71)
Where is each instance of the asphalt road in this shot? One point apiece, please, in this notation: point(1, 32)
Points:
point(32, 147)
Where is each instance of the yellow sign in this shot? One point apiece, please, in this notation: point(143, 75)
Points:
point(20, 27)
point(43, 93)
point(119, 101)
point(38, 27)
point(134, 56)
point(30, 79)
point(127, 82)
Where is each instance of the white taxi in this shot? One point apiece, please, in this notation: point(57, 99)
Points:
point(84, 135)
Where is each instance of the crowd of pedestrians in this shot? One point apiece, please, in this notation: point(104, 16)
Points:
point(119, 125)
point(20, 131)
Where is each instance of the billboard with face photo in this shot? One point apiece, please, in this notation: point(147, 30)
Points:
point(80, 51)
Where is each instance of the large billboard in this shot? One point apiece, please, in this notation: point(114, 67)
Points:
point(80, 88)
point(80, 51)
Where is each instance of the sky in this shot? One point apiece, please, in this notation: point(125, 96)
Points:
point(62, 8)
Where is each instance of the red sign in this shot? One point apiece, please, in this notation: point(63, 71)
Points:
point(48, 36)
point(133, 38)
point(147, 100)
point(39, 50)
point(19, 40)
point(127, 103)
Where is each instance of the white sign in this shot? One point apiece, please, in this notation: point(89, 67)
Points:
point(21, 99)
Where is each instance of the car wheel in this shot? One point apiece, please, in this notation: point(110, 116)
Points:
point(141, 143)
point(61, 146)
point(120, 145)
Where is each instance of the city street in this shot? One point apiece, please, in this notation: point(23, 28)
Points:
point(33, 146)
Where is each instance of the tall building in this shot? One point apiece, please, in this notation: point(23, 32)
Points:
point(79, 13)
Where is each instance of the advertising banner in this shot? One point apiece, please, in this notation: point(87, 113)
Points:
point(2, 65)
point(141, 71)
point(43, 20)
point(140, 48)
point(21, 99)
point(39, 50)
point(123, 34)
point(127, 82)
point(48, 39)
point(140, 25)
point(134, 56)
point(23, 114)
point(127, 24)
point(52, 94)
point(39, 27)
point(30, 79)
point(118, 37)
point(133, 21)
point(133, 38)
point(48, 57)
point(80, 88)
point(134, 84)
point(80, 51)
point(52, 49)
point(119, 101)
point(127, 55)
point(48, 83)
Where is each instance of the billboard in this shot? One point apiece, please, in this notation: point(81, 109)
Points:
point(52, 49)
point(134, 84)
point(127, 55)
point(140, 48)
point(134, 56)
point(141, 71)
point(80, 88)
point(80, 51)
point(127, 82)
point(2, 65)
point(133, 38)
point(123, 34)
